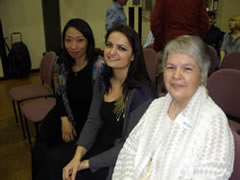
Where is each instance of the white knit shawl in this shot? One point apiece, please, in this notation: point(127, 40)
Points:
point(198, 146)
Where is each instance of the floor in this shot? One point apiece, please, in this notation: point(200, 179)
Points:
point(15, 157)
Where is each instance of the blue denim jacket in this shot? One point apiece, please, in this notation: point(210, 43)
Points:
point(229, 45)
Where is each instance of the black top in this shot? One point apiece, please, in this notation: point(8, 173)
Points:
point(214, 37)
point(79, 93)
point(110, 131)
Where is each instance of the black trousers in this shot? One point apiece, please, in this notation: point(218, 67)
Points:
point(48, 162)
point(50, 165)
point(50, 154)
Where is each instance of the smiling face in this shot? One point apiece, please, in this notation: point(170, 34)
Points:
point(181, 76)
point(118, 52)
point(75, 43)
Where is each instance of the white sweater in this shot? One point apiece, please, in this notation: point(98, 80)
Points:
point(199, 145)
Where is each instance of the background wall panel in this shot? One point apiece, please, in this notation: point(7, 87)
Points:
point(25, 16)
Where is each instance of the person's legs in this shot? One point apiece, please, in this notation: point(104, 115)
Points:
point(101, 174)
point(38, 154)
point(55, 160)
point(50, 129)
point(87, 174)
point(49, 135)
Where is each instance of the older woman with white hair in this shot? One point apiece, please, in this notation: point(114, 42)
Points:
point(183, 135)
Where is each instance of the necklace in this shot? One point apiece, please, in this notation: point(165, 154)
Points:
point(119, 107)
point(76, 68)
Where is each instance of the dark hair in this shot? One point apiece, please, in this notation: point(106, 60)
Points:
point(137, 72)
point(211, 14)
point(83, 27)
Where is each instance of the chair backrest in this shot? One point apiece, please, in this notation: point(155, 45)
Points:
point(47, 69)
point(151, 62)
point(236, 169)
point(231, 61)
point(213, 58)
point(224, 88)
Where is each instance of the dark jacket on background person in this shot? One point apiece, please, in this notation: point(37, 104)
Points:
point(214, 37)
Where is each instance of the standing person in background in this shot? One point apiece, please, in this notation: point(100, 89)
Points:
point(172, 18)
point(214, 36)
point(115, 14)
point(231, 40)
point(121, 95)
point(63, 124)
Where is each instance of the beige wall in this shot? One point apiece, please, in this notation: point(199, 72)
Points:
point(226, 9)
point(94, 12)
point(25, 16)
point(90, 10)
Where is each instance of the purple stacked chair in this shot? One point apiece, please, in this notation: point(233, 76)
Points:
point(36, 111)
point(213, 59)
point(231, 61)
point(45, 88)
point(151, 62)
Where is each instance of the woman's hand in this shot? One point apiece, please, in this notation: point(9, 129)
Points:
point(71, 169)
point(68, 131)
point(84, 165)
point(75, 165)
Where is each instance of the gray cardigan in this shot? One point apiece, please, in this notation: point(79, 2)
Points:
point(138, 100)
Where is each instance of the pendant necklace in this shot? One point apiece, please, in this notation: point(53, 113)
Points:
point(79, 68)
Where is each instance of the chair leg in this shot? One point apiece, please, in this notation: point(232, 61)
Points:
point(27, 130)
point(21, 119)
point(15, 111)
